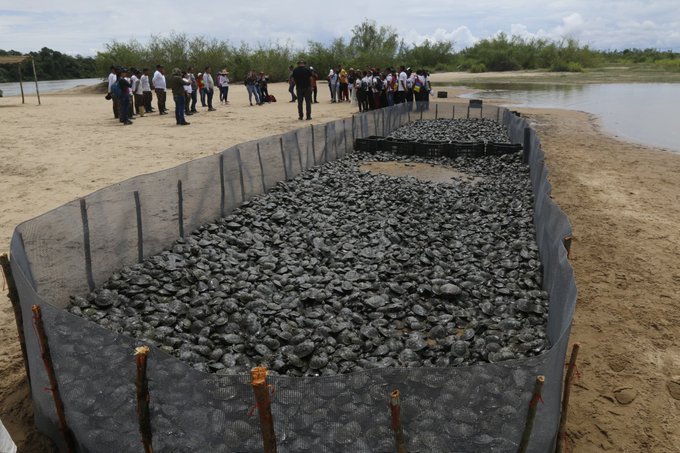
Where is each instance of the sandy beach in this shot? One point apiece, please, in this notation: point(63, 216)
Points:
point(622, 199)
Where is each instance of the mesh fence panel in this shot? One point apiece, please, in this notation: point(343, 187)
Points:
point(69, 249)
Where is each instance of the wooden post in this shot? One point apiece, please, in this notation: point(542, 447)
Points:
point(263, 403)
point(526, 436)
point(13, 296)
point(35, 78)
point(527, 145)
point(21, 85)
point(567, 245)
point(395, 408)
point(562, 438)
point(143, 412)
point(66, 433)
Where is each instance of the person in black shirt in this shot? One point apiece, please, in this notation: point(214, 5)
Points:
point(124, 97)
point(303, 85)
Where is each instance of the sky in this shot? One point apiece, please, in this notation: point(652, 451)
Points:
point(80, 27)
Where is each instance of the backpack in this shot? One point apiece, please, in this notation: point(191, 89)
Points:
point(377, 84)
point(116, 92)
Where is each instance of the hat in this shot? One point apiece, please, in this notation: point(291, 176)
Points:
point(311, 68)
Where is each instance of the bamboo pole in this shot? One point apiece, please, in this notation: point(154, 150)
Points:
point(568, 380)
point(395, 408)
point(263, 403)
point(13, 296)
point(143, 412)
point(35, 77)
point(54, 386)
point(526, 436)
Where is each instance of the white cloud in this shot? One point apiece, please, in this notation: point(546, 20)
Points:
point(84, 25)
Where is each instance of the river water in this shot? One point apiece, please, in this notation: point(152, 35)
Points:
point(645, 113)
point(48, 86)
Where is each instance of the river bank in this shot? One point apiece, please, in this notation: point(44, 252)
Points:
point(621, 198)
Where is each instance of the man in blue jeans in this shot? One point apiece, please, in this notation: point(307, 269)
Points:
point(124, 99)
point(176, 84)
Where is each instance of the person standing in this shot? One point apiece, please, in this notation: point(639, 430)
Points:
point(400, 95)
point(113, 78)
point(342, 81)
point(194, 89)
point(138, 93)
point(303, 85)
point(291, 84)
point(124, 85)
point(159, 87)
point(146, 90)
point(201, 88)
point(176, 84)
point(209, 87)
point(225, 84)
point(315, 78)
point(333, 85)
point(262, 82)
point(251, 85)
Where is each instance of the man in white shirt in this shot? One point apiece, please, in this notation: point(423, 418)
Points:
point(113, 77)
point(401, 86)
point(146, 90)
point(209, 87)
point(159, 86)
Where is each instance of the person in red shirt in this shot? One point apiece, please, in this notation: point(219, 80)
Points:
point(201, 87)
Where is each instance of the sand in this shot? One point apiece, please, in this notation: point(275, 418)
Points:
point(622, 199)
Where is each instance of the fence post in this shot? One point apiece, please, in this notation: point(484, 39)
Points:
point(395, 409)
point(143, 412)
point(263, 404)
point(44, 346)
point(567, 245)
point(562, 438)
point(533, 404)
point(13, 296)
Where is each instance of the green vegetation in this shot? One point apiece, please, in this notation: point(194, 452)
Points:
point(370, 45)
point(49, 65)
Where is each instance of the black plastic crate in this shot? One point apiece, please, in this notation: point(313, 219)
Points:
point(503, 148)
point(369, 144)
point(396, 146)
point(431, 149)
point(469, 148)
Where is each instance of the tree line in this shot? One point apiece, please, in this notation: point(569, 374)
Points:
point(49, 65)
point(370, 45)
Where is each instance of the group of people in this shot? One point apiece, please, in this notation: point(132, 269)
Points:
point(132, 90)
point(373, 89)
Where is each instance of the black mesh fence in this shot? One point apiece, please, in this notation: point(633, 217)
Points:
point(76, 247)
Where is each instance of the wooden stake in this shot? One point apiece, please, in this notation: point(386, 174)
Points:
point(567, 245)
point(13, 296)
point(35, 78)
point(395, 408)
point(562, 438)
point(526, 436)
point(66, 433)
point(143, 412)
point(263, 403)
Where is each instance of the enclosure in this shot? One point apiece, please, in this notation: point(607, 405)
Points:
point(74, 248)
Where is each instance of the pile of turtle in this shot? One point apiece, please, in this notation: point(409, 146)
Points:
point(340, 270)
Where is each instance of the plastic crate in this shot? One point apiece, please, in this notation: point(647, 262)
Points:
point(469, 148)
point(396, 146)
point(431, 149)
point(498, 149)
point(370, 144)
